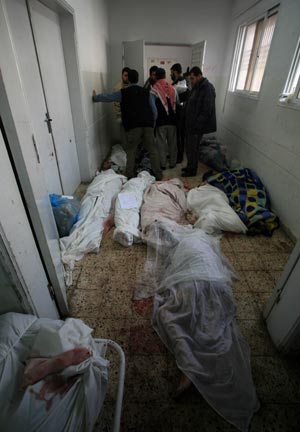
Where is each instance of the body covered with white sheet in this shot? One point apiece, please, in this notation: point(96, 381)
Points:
point(164, 200)
point(211, 206)
point(127, 209)
point(194, 315)
point(96, 207)
point(67, 401)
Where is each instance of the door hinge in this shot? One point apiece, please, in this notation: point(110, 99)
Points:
point(51, 291)
point(36, 150)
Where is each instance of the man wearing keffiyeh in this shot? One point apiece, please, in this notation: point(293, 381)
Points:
point(165, 99)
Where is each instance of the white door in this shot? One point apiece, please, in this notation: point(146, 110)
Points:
point(198, 54)
point(282, 312)
point(47, 36)
point(20, 32)
point(133, 57)
point(16, 235)
point(20, 102)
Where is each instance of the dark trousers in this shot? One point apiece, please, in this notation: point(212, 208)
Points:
point(180, 113)
point(180, 143)
point(144, 135)
point(192, 152)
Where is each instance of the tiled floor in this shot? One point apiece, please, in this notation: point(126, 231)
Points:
point(102, 296)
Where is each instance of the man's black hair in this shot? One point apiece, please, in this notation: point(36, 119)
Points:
point(125, 69)
point(133, 76)
point(160, 73)
point(196, 71)
point(177, 68)
point(153, 69)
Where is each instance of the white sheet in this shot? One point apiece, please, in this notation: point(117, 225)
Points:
point(214, 213)
point(163, 200)
point(194, 315)
point(96, 206)
point(127, 211)
point(76, 410)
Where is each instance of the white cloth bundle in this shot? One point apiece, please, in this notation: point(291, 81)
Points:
point(164, 200)
point(127, 209)
point(194, 315)
point(210, 205)
point(96, 206)
point(67, 401)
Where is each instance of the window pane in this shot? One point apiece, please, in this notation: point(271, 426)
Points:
point(256, 42)
point(263, 53)
point(244, 65)
point(295, 80)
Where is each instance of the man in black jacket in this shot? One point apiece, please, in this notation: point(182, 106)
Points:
point(183, 92)
point(200, 118)
point(139, 113)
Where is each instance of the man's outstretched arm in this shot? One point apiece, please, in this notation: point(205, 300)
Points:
point(107, 97)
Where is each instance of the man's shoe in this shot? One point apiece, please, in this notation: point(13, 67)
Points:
point(184, 169)
point(163, 168)
point(172, 166)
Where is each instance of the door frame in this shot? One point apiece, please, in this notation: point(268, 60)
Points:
point(191, 46)
point(20, 134)
point(75, 85)
point(18, 251)
point(282, 322)
point(45, 24)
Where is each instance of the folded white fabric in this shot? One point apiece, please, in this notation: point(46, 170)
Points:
point(210, 205)
point(127, 209)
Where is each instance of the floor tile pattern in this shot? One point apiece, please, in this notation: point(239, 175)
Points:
point(101, 296)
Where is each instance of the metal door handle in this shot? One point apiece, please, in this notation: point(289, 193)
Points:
point(48, 121)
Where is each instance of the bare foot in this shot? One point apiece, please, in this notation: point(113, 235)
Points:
point(184, 384)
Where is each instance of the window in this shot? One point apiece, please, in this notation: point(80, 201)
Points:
point(251, 53)
point(291, 92)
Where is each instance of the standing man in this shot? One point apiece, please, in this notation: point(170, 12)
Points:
point(152, 78)
point(179, 83)
point(122, 84)
point(165, 99)
point(200, 118)
point(139, 113)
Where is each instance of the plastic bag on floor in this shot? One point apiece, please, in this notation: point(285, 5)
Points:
point(214, 213)
point(127, 215)
point(96, 209)
point(66, 212)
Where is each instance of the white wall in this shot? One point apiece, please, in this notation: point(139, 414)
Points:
point(171, 21)
point(182, 55)
point(91, 22)
point(260, 133)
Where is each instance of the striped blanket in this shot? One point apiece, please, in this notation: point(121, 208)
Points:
point(249, 198)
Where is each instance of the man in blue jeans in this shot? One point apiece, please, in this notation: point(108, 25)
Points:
point(200, 118)
point(139, 114)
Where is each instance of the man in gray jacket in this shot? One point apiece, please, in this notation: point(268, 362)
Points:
point(200, 118)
